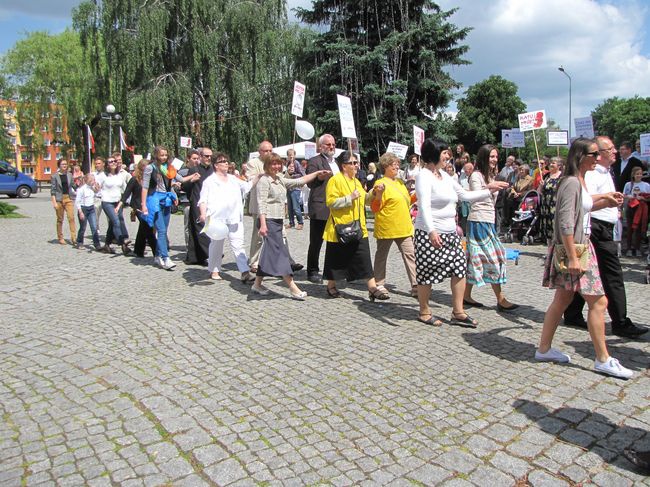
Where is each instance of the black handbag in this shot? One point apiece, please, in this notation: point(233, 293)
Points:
point(349, 232)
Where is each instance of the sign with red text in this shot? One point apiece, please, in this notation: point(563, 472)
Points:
point(298, 102)
point(418, 139)
point(532, 120)
point(186, 142)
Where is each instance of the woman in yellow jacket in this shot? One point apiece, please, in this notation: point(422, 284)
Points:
point(346, 198)
point(393, 221)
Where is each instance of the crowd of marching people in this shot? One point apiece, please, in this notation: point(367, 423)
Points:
point(446, 212)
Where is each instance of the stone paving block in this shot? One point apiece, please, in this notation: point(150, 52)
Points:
point(430, 474)
point(226, 472)
point(539, 478)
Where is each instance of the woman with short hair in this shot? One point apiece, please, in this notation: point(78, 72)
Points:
point(438, 251)
point(391, 203)
point(346, 199)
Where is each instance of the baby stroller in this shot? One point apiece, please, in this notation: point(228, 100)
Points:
point(525, 223)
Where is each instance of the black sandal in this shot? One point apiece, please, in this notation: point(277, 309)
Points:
point(332, 292)
point(467, 321)
point(377, 293)
point(431, 321)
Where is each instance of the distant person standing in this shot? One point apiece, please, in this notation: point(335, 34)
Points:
point(197, 243)
point(622, 169)
point(63, 196)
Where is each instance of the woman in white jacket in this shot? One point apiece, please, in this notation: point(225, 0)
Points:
point(221, 200)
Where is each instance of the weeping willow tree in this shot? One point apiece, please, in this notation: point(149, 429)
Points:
point(389, 57)
point(220, 71)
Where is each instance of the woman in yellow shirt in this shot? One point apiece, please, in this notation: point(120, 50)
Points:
point(391, 205)
point(346, 198)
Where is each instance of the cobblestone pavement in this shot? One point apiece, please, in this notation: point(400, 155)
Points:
point(115, 372)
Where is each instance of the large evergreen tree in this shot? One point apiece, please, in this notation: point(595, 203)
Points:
point(622, 119)
point(389, 57)
point(220, 71)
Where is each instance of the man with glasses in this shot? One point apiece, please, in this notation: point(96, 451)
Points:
point(197, 242)
point(622, 169)
point(599, 181)
point(318, 210)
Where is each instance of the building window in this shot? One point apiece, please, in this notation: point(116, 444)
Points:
point(73, 156)
point(59, 129)
point(25, 156)
point(46, 142)
point(11, 126)
point(11, 112)
point(28, 170)
point(47, 170)
point(12, 140)
point(47, 156)
point(58, 156)
point(44, 128)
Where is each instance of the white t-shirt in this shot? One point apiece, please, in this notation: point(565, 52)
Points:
point(113, 186)
point(634, 189)
point(224, 199)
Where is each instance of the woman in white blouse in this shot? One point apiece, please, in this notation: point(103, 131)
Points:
point(221, 199)
point(438, 250)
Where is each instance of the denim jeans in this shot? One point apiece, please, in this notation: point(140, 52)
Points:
point(90, 217)
point(114, 227)
point(294, 197)
point(161, 223)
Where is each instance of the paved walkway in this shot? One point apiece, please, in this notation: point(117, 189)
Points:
point(115, 372)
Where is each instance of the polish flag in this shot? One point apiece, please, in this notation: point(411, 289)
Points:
point(91, 139)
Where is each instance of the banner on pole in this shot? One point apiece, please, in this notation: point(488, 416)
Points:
point(532, 120)
point(399, 150)
point(557, 137)
point(310, 150)
point(584, 127)
point(418, 139)
point(645, 144)
point(186, 142)
point(511, 138)
point(347, 117)
point(298, 102)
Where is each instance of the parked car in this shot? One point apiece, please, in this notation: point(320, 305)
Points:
point(15, 183)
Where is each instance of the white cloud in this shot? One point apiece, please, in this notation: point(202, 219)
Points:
point(600, 45)
point(60, 9)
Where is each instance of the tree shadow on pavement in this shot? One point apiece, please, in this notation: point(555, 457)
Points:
point(587, 430)
point(491, 342)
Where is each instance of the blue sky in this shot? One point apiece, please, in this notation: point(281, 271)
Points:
point(603, 45)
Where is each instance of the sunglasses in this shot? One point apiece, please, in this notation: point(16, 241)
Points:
point(593, 154)
point(111, 160)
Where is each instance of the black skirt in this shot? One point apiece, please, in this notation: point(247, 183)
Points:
point(274, 256)
point(348, 261)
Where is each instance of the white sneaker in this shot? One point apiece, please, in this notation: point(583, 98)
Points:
point(159, 262)
point(552, 355)
point(169, 264)
point(613, 367)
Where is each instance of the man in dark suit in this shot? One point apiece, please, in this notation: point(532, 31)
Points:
point(197, 243)
point(318, 210)
point(622, 169)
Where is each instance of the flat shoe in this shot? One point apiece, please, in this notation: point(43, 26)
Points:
point(467, 321)
point(299, 296)
point(332, 292)
point(474, 304)
point(431, 321)
point(262, 291)
point(216, 277)
point(246, 278)
point(507, 308)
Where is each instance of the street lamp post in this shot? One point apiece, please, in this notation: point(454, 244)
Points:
point(567, 75)
point(112, 118)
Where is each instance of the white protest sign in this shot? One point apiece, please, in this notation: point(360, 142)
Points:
point(186, 142)
point(517, 138)
point(506, 138)
point(645, 144)
point(418, 139)
point(310, 150)
point(298, 102)
point(399, 150)
point(253, 155)
point(347, 117)
point(532, 120)
point(557, 137)
point(177, 163)
point(584, 127)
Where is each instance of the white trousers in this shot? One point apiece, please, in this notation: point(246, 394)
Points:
point(236, 240)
